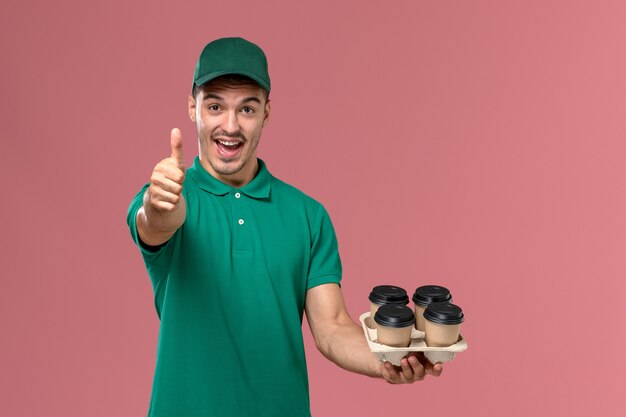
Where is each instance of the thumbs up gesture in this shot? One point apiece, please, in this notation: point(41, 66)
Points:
point(166, 183)
point(164, 208)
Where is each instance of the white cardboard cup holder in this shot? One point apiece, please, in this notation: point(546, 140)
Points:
point(418, 344)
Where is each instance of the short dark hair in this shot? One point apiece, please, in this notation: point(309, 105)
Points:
point(235, 80)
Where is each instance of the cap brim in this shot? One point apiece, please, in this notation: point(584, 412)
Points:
point(208, 77)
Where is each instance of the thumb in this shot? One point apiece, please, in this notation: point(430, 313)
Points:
point(176, 141)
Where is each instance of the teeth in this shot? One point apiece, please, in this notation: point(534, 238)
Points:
point(223, 142)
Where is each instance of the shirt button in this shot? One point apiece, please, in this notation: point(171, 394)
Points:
point(241, 221)
point(237, 195)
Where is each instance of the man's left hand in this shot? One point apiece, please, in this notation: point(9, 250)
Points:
point(412, 368)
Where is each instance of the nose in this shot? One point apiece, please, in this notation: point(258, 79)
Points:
point(230, 124)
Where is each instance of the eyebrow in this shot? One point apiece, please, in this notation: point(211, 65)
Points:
point(245, 100)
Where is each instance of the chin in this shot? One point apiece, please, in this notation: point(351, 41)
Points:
point(228, 168)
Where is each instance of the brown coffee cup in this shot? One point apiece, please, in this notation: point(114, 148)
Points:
point(425, 295)
point(442, 324)
point(394, 325)
point(385, 295)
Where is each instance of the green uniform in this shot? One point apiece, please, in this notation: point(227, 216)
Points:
point(230, 288)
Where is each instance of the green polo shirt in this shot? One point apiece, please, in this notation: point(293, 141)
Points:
point(230, 288)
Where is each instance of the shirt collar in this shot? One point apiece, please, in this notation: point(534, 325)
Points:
point(259, 187)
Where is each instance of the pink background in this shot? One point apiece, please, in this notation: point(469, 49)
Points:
point(475, 144)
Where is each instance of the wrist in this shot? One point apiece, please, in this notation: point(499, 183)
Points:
point(377, 368)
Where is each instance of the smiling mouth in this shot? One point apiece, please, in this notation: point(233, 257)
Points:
point(228, 148)
point(229, 144)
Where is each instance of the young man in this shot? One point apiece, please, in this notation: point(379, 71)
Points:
point(236, 257)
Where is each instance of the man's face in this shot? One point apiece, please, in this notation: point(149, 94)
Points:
point(229, 120)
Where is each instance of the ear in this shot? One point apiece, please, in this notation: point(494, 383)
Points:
point(267, 109)
point(191, 107)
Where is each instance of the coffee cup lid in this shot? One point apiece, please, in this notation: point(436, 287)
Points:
point(427, 294)
point(444, 313)
point(389, 294)
point(394, 315)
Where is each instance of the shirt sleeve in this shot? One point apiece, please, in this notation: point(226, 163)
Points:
point(325, 263)
point(156, 258)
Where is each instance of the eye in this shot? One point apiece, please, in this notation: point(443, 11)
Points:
point(214, 107)
point(247, 110)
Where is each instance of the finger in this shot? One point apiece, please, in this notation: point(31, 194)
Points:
point(170, 186)
point(164, 206)
point(157, 201)
point(437, 369)
point(168, 169)
point(389, 373)
point(429, 367)
point(176, 142)
point(165, 182)
point(416, 368)
point(159, 195)
point(407, 369)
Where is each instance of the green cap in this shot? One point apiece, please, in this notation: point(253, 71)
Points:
point(232, 56)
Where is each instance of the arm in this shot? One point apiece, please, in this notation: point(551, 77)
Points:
point(342, 341)
point(164, 207)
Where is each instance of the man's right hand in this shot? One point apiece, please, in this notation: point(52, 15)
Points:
point(166, 183)
point(163, 210)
